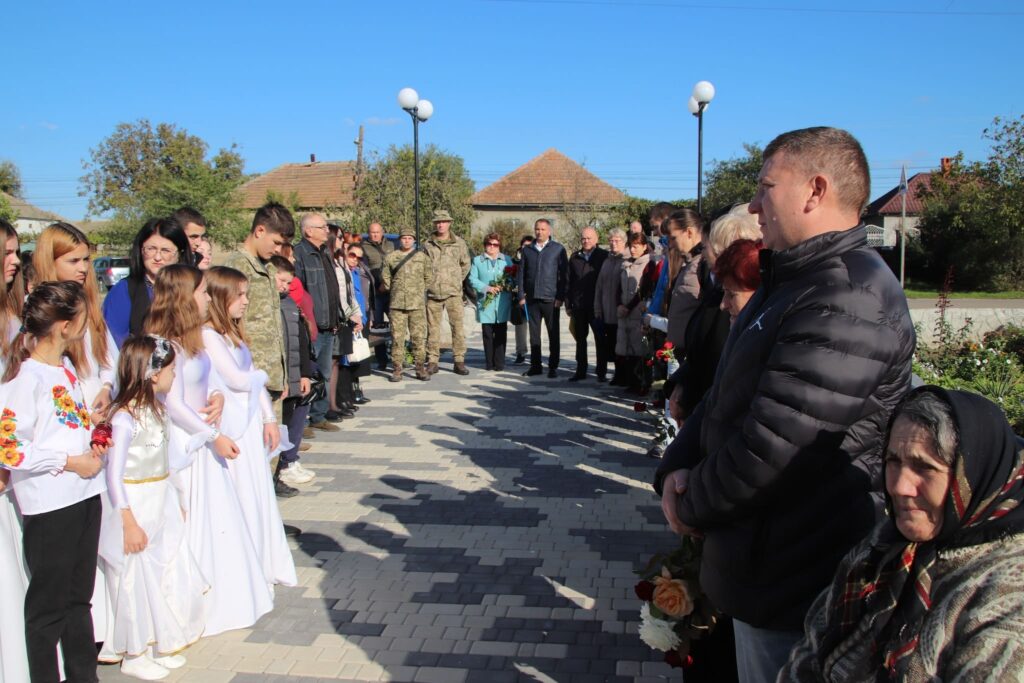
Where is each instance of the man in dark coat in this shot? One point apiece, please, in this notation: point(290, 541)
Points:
point(541, 283)
point(777, 465)
point(584, 267)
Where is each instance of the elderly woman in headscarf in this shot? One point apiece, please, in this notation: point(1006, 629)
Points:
point(936, 591)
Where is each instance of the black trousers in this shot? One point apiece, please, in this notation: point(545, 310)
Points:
point(60, 550)
point(495, 336)
point(605, 341)
point(543, 311)
point(582, 323)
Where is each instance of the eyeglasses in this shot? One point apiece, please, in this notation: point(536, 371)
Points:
point(492, 244)
point(165, 254)
point(355, 256)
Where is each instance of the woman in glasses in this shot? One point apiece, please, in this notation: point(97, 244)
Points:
point(491, 277)
point(159, 243)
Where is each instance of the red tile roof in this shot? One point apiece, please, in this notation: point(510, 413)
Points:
point(889, 204)
point(551, 179)
point(318, 184)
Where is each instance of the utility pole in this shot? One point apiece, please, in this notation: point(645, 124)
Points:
point(359, 160)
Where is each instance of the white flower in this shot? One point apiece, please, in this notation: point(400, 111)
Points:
point(657, 633)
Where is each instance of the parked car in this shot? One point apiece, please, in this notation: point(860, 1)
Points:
point(109, 271)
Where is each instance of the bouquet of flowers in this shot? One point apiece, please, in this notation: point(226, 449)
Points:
point(675, 612)
point(506, 282)
point(666, 353)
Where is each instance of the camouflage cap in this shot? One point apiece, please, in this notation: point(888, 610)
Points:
point(407, 232)
point(441, 216)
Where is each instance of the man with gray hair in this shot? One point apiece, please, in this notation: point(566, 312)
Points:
point(315, 269)
point(777, 465)
point(584, 266)
point(606, 301)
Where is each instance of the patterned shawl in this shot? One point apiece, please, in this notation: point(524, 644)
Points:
point(887, 595)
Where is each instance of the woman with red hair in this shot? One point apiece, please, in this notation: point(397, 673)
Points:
point(738, 268)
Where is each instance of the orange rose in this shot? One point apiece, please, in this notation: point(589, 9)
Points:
point(671, 595)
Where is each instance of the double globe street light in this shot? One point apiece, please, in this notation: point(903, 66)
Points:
point(702, 95)
point(419, 110)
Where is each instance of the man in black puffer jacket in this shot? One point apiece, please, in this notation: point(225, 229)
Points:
point(778, 465)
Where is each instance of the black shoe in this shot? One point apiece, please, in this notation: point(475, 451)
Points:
point(334, 416)
point(602, 378)
point(292, 531)
point(552, 373)
point(577, 377)
point(352, 406)
point(520, 359)
point(283, 490)
point(532, 372)
point(361, 400)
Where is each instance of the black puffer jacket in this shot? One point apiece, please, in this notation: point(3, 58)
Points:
point(792, 429)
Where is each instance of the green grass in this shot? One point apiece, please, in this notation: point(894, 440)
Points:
point(934, 294)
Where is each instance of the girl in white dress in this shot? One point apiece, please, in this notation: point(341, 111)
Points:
point(13, 660)
point(217, 533)
point(44, 442)
point(248, 418)
point(154, 582)
point(62, 254)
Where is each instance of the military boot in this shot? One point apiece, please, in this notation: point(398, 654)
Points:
point(432, 368)
point(422, 373)
point(396, 374)
point(461, 369)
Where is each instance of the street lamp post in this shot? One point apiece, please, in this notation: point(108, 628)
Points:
point(419, 110)
point(702, 95)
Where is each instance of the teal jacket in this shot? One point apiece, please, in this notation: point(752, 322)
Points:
point(483, 272)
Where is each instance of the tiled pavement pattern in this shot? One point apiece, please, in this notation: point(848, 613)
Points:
point(479, 528)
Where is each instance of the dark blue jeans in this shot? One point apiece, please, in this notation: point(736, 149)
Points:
point(324, 346)
point(295, 420)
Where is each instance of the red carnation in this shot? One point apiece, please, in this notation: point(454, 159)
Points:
point(669, 345)
point(640, 407)
point(644, 591)
point(650, 362)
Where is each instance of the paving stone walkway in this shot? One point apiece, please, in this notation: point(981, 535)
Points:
point(479, 528)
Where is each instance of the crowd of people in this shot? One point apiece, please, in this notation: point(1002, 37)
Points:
point(852, 529)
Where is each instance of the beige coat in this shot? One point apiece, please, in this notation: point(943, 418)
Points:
point(606, 291)
point(629, 339)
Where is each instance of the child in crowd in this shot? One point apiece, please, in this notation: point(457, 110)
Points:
point(44, 441)
point(152, 578)
point(249, 419)
point(217, 533)
point(300, 371)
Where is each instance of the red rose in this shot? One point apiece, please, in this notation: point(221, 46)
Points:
point(669, 346)
point(640, 407)
point(673, 659)
point(650, 362)
point(644, 591)
point(101, 435)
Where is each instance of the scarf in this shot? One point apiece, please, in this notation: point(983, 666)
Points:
point(888, 595)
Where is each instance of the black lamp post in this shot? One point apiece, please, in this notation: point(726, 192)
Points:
point(419, 110)
point(702, 95)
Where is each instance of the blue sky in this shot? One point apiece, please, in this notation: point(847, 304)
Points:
point(604, 81)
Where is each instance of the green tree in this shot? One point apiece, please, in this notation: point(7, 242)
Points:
point(7, 211)
point(732, 181)
point(385, 192)
point(142, 171)
point(10, 179)
point(973, 215)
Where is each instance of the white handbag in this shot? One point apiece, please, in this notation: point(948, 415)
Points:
point(360, 349)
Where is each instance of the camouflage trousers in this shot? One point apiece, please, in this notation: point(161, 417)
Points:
point(406, 323)
point(435, 313)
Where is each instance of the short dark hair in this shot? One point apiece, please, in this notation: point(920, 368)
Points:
point(275, 218)
point(186, 215)
point(168, 228)
point(281, 263)
point(525, 239)
point(658, 213)
point(545, 221)
point(638, 238)
point(493, 237)
point(832, 152)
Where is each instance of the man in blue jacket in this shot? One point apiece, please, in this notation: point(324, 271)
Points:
point(542, 279)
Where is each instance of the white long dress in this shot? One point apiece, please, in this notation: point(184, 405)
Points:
point(13, 580)
point(92, 382)
point(217, 533)
point(246, 406)
point(157, 594)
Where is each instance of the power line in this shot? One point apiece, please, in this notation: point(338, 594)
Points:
point(747, 8)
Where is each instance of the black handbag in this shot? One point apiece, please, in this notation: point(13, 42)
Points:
point(317, 388)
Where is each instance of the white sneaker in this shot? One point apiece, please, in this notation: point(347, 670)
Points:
point(143, 668)
point(170, 661)
point(294, 474)
point(299, 466)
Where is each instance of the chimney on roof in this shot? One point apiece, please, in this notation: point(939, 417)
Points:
point(312, 158)
point(945, 164)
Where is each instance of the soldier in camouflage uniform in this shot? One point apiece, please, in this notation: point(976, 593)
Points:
point(406, 274)
point(451, 262)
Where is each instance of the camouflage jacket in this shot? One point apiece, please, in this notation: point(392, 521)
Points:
point(263, 317)
point(407, 280)
point(451, 263)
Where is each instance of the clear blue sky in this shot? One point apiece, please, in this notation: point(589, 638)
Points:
point(604, 81)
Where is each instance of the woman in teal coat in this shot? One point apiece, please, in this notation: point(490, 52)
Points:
point(493, 285)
